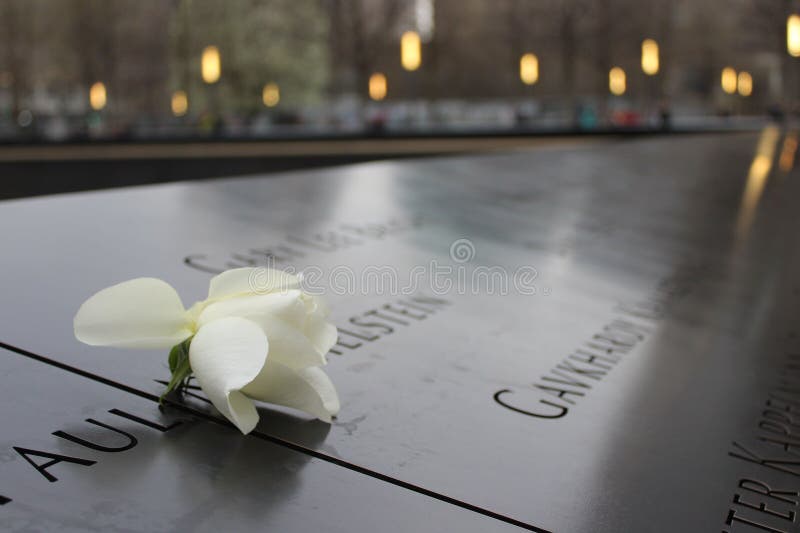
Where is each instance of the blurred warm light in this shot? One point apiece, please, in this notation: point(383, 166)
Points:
point(410, 50)
point(271, 94)
point(786, 161)
point(745, 83)
point(757, 177)
point(529, 69)
point(97, 96)
point(616, 81)
point(650, 57)
point(377, 86)
point(793, 35)
point(765, 152)
point(180, 103)
point(760, 168)
point(210, 64)
point(728, 80)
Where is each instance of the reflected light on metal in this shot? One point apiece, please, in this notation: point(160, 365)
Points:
point(180, 103)
point(728, 80)
point(377, 86)
point(410, 50)
point(650, 57)
point(616, 81)
point(97, 96)
point(757, 178)
point(788, 151)
point(793, 35)
point(529, 69)
point(210, 65)
point(745, 83)
point(271, 94)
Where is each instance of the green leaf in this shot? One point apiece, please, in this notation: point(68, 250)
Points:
point(179, 366)
point(175, 356)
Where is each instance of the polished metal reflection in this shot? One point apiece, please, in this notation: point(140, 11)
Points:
point(757, 177)
point(645, 226)
point(788, 151)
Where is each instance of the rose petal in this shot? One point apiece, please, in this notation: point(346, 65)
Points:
point(309, 389)
point(322, 334)
point(290, 346)
point(226, 355)
point(284, 305)
point(140, 313)
point(282, 316)
point(241, 281)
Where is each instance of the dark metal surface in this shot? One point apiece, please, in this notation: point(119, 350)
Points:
point(33, 170)
point(674, 259)
point(187, 475)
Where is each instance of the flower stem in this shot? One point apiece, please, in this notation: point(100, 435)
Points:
point(180, 367)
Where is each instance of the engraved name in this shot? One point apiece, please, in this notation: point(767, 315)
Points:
point(379, 322)
point(757, 506)
point(575, 375)
point(112, 440)
point(295, 247)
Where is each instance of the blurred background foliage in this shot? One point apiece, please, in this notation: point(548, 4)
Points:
point(317, 66)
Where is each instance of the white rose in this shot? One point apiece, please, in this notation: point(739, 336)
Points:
point(257, 336)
